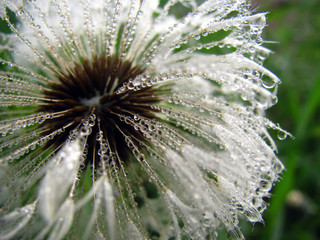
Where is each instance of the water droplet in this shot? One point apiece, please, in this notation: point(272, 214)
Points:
point(130, 85)
point(282, 135)
point(265, 185)
point(274, 99)
point(205, 34)
point(244, 97)
point(136, 117)
point(253, 216)
point(277, 167)
point(268, 82)
point(20, 12)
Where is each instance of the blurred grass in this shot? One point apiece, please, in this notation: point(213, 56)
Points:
point(294, 207)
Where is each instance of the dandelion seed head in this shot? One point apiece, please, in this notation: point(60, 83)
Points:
point(134, 119)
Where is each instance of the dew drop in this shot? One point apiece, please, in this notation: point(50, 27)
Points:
point(277, 167)
point(274, 100)
point(130, 86)
point(136, 117)
point(20, 12)
point(267, 82)
point(253, 216)
point(282, 135)
point(205, 34)
point(266, 185)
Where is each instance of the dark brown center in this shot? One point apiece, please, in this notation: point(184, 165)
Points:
point(91, 88)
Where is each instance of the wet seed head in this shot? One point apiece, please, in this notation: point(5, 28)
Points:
point(90, 88)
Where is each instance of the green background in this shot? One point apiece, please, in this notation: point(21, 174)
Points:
point(294, 212)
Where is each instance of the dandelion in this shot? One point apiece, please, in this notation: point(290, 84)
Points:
point(134, 119)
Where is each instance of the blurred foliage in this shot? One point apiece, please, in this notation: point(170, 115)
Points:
point(294, 211)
